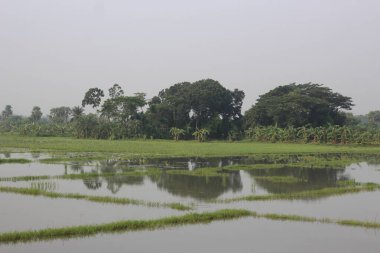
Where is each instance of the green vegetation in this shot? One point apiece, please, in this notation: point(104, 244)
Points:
point(121, 226)
point(201, 172)
point(192, 218)
point(11, 160)
point(154, 148)
point(281, 179)
point(332, 134)
point(100, 199)
point(311, 194)
point(299, 105)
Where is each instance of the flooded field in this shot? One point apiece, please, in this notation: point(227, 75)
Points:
point(46, 192)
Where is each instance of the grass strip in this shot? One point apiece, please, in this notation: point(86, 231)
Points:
point(99, 199)
point(287, 217)
point(149, 172)
point(311, 194)
point(121, 226)
point(192, 218)
point(14, 160)
point(281, 179)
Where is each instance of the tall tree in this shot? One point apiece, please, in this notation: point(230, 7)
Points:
point(374, 117)
point(7, 112)
point(77, 112)
point(60, 114)
point(299, 105)
point(36, 114)
point(93, 97)
point(202, 104)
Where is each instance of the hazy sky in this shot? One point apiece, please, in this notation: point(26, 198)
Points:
point(52, 51)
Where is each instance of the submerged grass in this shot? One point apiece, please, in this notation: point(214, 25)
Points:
point(14, 160)
point(122, 226)
point(281, 179)
point(99, 199)
point(201, 172)
point(317, 164)
point(311, 194)
point(134, 173)
point(192, 218)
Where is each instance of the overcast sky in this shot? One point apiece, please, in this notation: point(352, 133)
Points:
point(52, 51)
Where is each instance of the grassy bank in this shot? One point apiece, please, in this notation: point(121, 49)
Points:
point(99, 199)
point(151, 148)
point(311, 194)
point(11, 160)
point(193, 218)
point(121, 226)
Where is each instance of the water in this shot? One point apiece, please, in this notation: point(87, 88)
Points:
point(21, 212)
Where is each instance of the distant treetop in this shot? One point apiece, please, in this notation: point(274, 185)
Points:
point(299, 105)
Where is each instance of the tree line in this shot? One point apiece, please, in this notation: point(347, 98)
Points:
point(204, 110)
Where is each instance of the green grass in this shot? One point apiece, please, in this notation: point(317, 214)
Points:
point(121, 226)
point(192, 218)
point(311, 194)
point(201, 172)
point(151, 148)
point(11, 160)
point(99, 199)
point(281, 179)
point(305, 163)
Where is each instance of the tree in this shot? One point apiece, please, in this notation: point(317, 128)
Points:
point(374, 118)
point(36, 114)
point(60, 114)
point(77, 112)
point(93, 97)
point(176, 133)
point(202, 104)
point(299, 105)
point(201, 134)
point(7, 112)
point(115, 91)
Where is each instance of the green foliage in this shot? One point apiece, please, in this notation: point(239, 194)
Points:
point(298, 105)
point(176, 133)
point(7, 112)
point(93, 97)
point(332, 134)
point(201, 134)
point(202, 104)
point(36, 114)
point(60, 115)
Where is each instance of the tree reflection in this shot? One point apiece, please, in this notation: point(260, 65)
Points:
point(200, 188)
point(311, 179)
point(93, 183)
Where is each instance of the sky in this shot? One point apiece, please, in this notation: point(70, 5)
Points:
point(53, 51)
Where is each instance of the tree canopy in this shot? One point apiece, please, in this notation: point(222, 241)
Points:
point(202, 104)
point(299, 105)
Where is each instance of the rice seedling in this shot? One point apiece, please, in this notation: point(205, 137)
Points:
point(121, 226)
point(99, 199)
point(14, 160)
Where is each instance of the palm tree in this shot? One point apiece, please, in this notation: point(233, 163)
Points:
point(77, 112)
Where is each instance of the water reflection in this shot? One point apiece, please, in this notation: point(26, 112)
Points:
point(200, 188)
point(231, 183)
